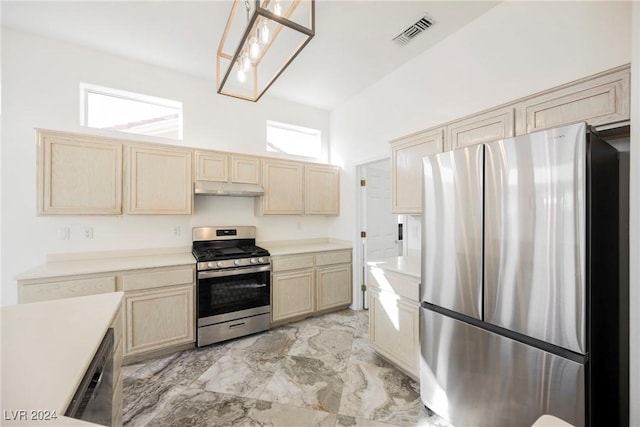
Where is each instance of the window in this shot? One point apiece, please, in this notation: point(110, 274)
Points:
point(112, 109)
point(294, 140)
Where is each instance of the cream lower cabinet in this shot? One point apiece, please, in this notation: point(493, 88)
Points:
point(333, 279)
point(394, 311)
point(58, 288)
point(305, 284)
point(159, 310)
point(292, 294)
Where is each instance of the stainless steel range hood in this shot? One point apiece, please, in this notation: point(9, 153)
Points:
point(208, 188)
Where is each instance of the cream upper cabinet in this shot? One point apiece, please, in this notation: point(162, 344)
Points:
point(322, 190)
point(78, 174)
point(245, 169)
point(211, 166)
point(226, 167)
point(488, 126)
point(406, 163)
point(600, 99)
point(159, 180)
point(283, 188)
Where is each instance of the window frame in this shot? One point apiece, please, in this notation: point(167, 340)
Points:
point(300, 129)
point(87, 88)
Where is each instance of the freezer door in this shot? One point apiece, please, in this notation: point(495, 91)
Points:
point(534, 266)
point(473, 377)
point(452, 230)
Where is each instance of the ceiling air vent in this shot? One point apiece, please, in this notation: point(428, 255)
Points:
point(405, 37)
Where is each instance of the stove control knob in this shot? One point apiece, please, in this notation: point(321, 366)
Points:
point(220, 264)
point(261, 259)
point(210, 264)
point(236, 262)
point(253, 260)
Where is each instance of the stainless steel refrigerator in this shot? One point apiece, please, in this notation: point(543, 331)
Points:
point(523, 286)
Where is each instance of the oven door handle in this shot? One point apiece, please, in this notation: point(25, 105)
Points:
point(233, 272)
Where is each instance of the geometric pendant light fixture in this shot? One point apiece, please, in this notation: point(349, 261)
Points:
point(260, 40)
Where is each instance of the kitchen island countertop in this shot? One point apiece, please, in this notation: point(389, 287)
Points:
point(46, 349)
point(407, 264)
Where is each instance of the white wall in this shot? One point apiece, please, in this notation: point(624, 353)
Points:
point(513, 50)
point(40, 83)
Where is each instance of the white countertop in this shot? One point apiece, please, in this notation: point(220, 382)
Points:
point(46, 349)
point(408, 264)
point(292, 247)
point(105, 262)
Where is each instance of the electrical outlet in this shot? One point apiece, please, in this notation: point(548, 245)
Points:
point(64, 233)
point(176, 231)
point(88, 232)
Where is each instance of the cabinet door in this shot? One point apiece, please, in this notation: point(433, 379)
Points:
point(599, 100)
point(283, 182)
point(211, 166)
point(322, 190)
point(159, 180)
point(245, 169)
point(406, 163)
point(333, 286)
point(158, 319)
point(488, 126)
point(393, 329)
point(78, 175)
point(292, 294)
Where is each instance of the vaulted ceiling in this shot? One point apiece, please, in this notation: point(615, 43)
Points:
point(352, 49)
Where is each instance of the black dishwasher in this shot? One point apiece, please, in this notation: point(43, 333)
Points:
point(93, 399)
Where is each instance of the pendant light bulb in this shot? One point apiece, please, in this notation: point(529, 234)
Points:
point(240, 75)
point(263, 31)
point(254, 48)
point(277, 8)
point(246, 62)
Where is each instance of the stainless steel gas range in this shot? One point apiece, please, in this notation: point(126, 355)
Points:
point(233, 283)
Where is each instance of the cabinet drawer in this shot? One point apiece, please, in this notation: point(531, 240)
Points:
point(291, 263)
point(342, 257)
point(157, 279)
point(398, 284)
point(67, 289)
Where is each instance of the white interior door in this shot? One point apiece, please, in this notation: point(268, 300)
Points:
point(381, 225)
point(376, 219)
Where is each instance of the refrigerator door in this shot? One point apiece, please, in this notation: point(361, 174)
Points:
point(535, 222)
point(452, 230)
point(473, 377)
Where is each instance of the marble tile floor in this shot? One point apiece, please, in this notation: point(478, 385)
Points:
point(317, 372)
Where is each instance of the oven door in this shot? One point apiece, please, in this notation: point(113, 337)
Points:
point(228, 294)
